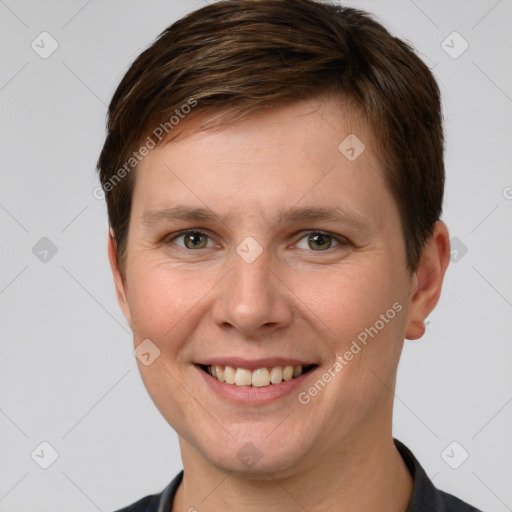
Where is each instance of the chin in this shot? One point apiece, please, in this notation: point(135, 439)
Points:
point(257, 457)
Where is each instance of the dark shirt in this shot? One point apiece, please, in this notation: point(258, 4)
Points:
point(425, 497)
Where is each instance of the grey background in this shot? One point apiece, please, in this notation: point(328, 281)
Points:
point(67, 371)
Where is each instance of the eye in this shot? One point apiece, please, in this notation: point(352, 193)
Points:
point(192, 239)
point(318, 241)
point(321, 242)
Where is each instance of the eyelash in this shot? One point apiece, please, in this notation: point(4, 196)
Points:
point(341, 241)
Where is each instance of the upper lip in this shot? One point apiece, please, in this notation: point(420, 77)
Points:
point(253, 364)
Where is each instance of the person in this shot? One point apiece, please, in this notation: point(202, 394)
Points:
point(274, 178)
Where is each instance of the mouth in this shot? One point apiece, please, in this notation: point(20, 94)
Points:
point(257, 377)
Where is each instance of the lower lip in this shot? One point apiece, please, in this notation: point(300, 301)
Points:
point(243, 395)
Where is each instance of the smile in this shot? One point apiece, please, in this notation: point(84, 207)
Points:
point(259, 377)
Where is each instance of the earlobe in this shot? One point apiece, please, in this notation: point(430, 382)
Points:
point(427, 282)
point(119, 280)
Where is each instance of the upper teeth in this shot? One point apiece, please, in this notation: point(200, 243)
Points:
point(258, 378)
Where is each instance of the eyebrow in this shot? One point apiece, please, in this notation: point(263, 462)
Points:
point(293, 215)
point(177, 213)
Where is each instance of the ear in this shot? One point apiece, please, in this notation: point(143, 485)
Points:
point(427, 281)
point(119, 280)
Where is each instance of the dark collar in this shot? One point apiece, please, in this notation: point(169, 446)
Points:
point(425, 497)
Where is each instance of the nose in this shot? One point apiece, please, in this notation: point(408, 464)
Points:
point(253, 299)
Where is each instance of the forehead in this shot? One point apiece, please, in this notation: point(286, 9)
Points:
point(312, 151)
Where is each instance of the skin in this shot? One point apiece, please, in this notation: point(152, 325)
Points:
point(297, 299)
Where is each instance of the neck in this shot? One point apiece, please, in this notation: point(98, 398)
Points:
point(365, 474)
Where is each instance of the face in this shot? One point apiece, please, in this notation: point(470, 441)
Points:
point(297, 258)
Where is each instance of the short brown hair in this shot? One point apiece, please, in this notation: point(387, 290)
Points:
point(236, 57)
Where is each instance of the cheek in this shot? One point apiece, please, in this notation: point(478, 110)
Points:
point(346, 307)
point(361, 314)
point(166, 301)
point(343, 302)
point(157, 299)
